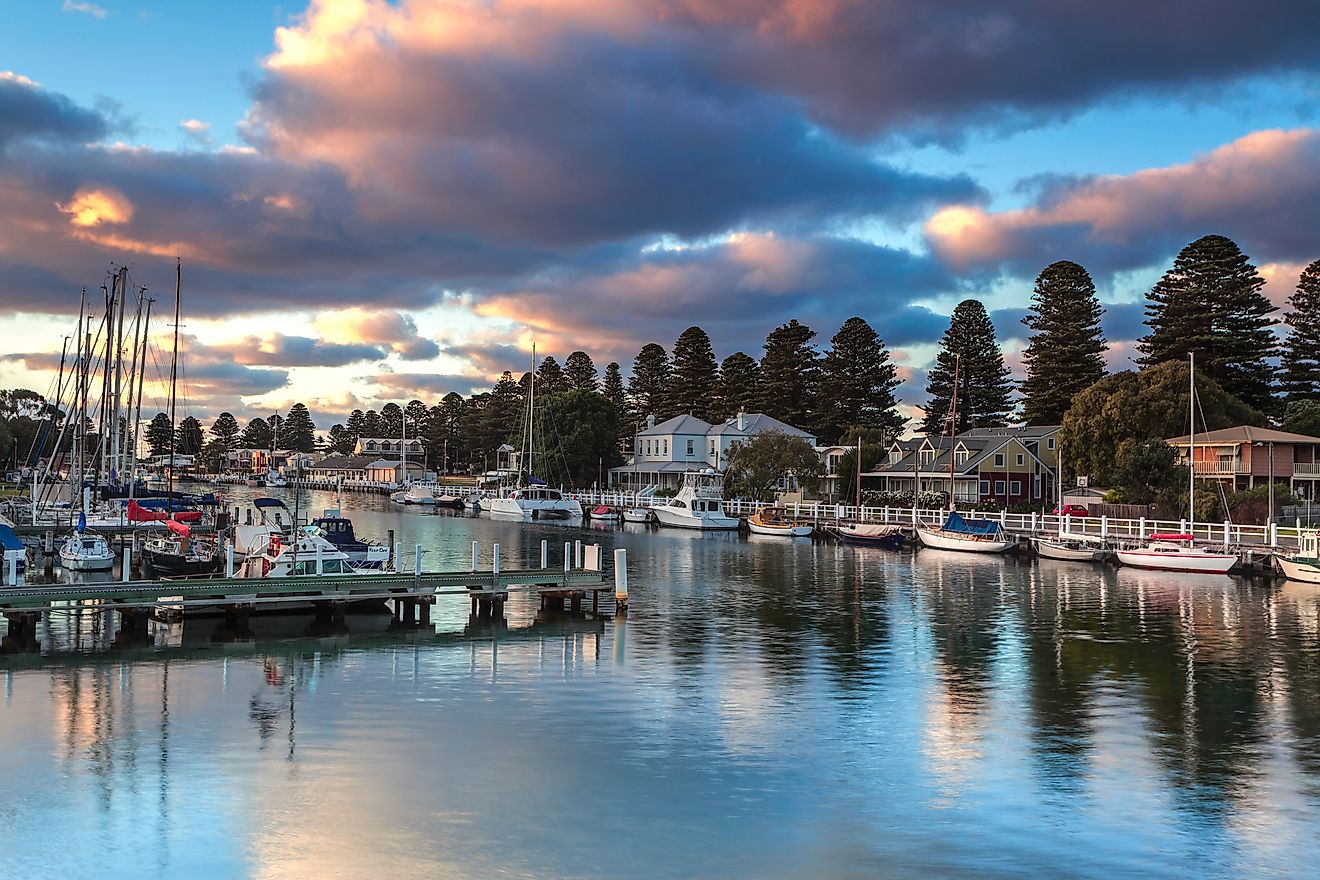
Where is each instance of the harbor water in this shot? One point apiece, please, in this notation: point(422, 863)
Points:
point(768, 708)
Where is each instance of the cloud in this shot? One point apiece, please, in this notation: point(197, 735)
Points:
point(391, 329)
point(196, 131)
point(427, 387)
point(279, 350)
point(85, 8)
point(30, 112)
point(91, 206)
point(1263, 189)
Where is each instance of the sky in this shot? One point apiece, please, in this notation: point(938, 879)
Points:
point(375, 201)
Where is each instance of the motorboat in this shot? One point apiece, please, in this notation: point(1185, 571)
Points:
point(306, 552)
point(86, 551)
point(176, 553)
point(453, 502)
point(1071, 547)
point(535, 502)
point(338, 530)
point(699, 504)
point(776, 521)
point(275, 480)
point(1177, 552)
point(871, 535)
point(1304, 565)
point(605, 513)
point(638, 515)
point(968, 535)
point(416, 493)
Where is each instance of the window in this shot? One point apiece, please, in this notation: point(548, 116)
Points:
point(1015, 488)
point(1035, 487)
point(927, 456)
point(999, 487)
point(371, 445)
point(712, 449)
point(985, 487)
point(999, 459)
point(895, 456)
point(692, 447)
point(1049, 444)
point(960, 456)
point(1021, 459)
point(664, 447)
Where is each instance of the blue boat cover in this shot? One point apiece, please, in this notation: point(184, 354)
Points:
point(956, 523)
point(268, 502)
point(535, 481)
point(9, 540)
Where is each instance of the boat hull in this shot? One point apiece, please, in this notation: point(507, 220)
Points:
point(938, 539)
point(684, 520)
point(1306, 571)
point(70, 562)
point(1199, 563)
point(174, 564)
point(1047, 549)
point(886, 542)
point(640, 515)
point(782, 531)
point(511, 507)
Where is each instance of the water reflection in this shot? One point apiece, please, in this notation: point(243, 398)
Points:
point(768, 708)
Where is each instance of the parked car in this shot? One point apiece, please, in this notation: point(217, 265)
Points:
point(1071, 510)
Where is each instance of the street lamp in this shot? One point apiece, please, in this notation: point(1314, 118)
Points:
point(1270, 444)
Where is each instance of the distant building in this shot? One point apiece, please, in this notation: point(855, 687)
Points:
point(662, 452)
point(1001, 466)
point(364, 468)
point(389, 447)
point(1239, 458)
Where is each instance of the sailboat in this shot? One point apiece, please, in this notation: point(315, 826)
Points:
point(1178, 552)
point(1069, 546)
point(957, 532)
point(868, 534)
point(533, 499)
point(86, 551)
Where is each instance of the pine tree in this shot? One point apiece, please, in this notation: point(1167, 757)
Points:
point(580, 372)
point(790, 375)
point(504, 412)
point(858, 382)
point(391, 420)
point(692, 375)
point(341, 441)
point(1065, 354)
point(188, 437)
point(415, 414)
point(356, 425)
point(983, 383)
point(1301, 350)
point(550, 378)
point(297, 431)
point(372, 424)
point(738, 388)
point(649, 382)
point(255, 436)
point(225, 429)
point(276, 425)
point(159, 434)
point(1210, 303)
point(612, 387)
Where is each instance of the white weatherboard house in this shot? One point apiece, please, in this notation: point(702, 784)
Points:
point(663, 451)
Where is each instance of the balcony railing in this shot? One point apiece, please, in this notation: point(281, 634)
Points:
point(1306, 467)
point(1219, 468)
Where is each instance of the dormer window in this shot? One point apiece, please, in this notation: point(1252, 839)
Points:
point(960, 456)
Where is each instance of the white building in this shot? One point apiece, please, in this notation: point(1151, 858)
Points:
point(664, 451)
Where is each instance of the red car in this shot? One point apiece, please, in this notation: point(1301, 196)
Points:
point(1071, 510)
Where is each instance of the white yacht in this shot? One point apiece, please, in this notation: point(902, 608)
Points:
point(699, 504)
point(308, 552)
point(275, 480)
point(535, 502)
point(86, 551)
point(1168, 552)
point(421, 492)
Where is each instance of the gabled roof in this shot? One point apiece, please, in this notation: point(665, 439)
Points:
point(1246, 434)
point(345, 462)
point(684, 424)
point(757, 423)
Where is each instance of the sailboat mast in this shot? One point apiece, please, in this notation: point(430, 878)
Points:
point(174, 378)
point(859, 476)
point(531, 413)
point(117, 441)
point(1191, 438)
point(953, 423)
point(141, 380)
point(80, 402)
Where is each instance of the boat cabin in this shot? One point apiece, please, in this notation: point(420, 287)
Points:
point(536, 493)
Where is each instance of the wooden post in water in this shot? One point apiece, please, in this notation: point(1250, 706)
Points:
point(126, 570)
point(417, 565)
point(568, 557)
point(545, 553)
point(577, 554)
point(474, 555)
point(621, 580)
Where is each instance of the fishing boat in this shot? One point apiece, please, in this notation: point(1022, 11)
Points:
point(968, 535)
point(534, 499)
point(1178, 552)
point(306, 552)
point(1070, 547)
point(699, 504)
point(871, 535)
point(776, 521)
point(338, 530)
point(638, 515)
point(605, 513)
point(176, 553)
point(86, 551)
point(1304, 565)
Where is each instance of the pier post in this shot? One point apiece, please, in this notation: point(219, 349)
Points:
point(1141, 529)
point(1182, 526)
point(417, 565)
point(474, 555)
point(126, 571)
point(229, 559)
point(1228, 527)
point(577, 554)
point(1274, 534)
point(568, 557)
point(389, 542)
point(1033, 522)
point(48, 548)
point(11, 567)
point(495, 567)
point(1104, 526)
point(545, 553)
point(621, 579)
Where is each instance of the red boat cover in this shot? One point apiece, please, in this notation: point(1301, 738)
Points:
point(179, 529)
point(138, 513)
point(1169, 536)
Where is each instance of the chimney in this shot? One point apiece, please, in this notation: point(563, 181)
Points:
point(742, 421)
point(650, 421)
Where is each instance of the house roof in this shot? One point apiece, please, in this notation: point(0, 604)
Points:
point(654, 467)
point(980, 443)
point(1246, 434)
point(757, 423)
point(684, 424)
